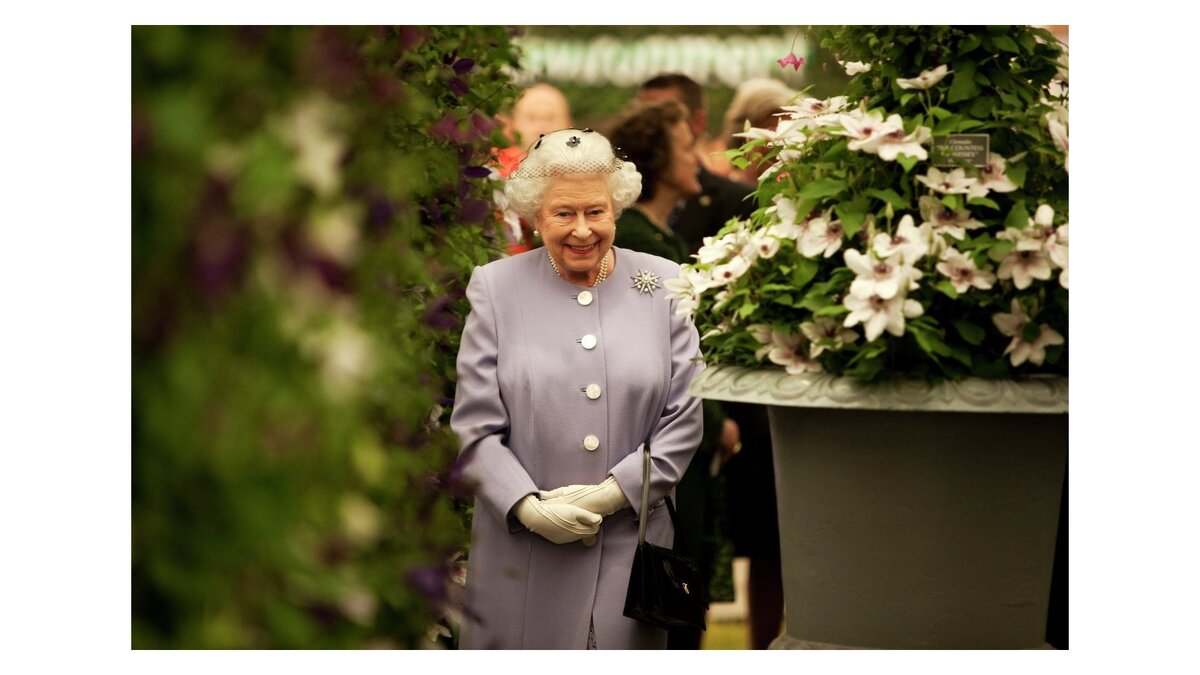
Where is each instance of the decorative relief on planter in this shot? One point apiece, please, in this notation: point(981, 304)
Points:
point(1036, 394)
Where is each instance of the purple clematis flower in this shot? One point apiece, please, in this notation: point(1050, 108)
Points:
point(463, 66)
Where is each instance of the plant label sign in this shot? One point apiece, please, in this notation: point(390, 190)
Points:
point(960, 150)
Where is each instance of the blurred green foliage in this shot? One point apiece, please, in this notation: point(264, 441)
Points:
point(307, 205)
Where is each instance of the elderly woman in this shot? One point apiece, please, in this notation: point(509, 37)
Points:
point(571, 358)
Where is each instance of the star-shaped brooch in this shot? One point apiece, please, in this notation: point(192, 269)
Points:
point(646, 282)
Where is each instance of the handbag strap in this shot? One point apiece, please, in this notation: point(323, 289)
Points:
point(645, 493)
point(646, 497)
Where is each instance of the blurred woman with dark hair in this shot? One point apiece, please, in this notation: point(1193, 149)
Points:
point(658, 139)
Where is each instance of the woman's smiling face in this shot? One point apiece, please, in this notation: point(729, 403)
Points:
point(577, 224)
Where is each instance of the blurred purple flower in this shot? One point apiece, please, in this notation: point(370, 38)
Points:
point(380, 210)
point(439, 314)
point(447, 130)
point(432, 212)
point(463, 66)
point(386, 89)
point(477, 172)
point(430, 581)
point(459, 86)
point(482, 124)
point(332, 273)
point(474, 211)
point(457, 483)
point(143, 133)
point(332, 60)
point(410, 36)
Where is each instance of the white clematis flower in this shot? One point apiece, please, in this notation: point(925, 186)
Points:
point(1056, 124)
point(909, 242)
point(867, 130)
point(895, 142)
point(993, 175)
point(963, 273)
point(955, 182)
point(855, 67)
point(790, 351)
point(762, 333)
point(878, 314)
point(730, 271)
point(1056, 248)
point(1020, 351)
point(885, 278)
point(824, 332)
point(926, 79)
point(821, 238)
point(1027, 261)
point(765, 245)
point(945, 221)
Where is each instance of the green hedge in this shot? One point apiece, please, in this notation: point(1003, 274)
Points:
point(307, 206)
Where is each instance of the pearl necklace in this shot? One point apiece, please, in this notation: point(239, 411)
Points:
point(601, 276)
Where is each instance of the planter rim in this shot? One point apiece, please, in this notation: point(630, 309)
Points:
point(1045, 394)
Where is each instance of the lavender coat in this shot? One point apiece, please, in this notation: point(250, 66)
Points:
point(522, 418)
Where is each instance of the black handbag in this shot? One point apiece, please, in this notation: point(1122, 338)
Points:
point(665, 588)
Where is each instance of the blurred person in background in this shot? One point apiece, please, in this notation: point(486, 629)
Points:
point(720, 199)
point(539, 109)
point(565, 369)
point(658, 139)
point(753, 521)
point(755, 101)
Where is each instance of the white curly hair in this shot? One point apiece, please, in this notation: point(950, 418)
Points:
point(570, 152)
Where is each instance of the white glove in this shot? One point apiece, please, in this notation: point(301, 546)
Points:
point(559, 523)
point(605, 498)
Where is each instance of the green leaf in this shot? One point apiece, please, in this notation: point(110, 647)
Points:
point(1018, 217)
point(1000, 249)
point(963, 85)
point(747, 309)
point(740, 162)
point(904, 99)
point(947, 126)
point(948, 288)
point(889, 195)
point(960, 354)
point(814, 302)
point(940, 113)
point(805, 270)
point(907, 162)
point(826, 187)
point(832, 310)
point(983, 201)
point(1005, 43)
point(852, 214)
point(1016, 173)
point(784, 299)
point(982, 106)
point(951, 202)
point(969, 43)
point(970, 333)
point(992, 370)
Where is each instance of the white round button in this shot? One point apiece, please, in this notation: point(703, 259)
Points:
point(591, 442)
point(593, 391)
point(589, 341)
point(585, 298)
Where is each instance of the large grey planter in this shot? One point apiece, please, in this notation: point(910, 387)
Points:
point(911, 516)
